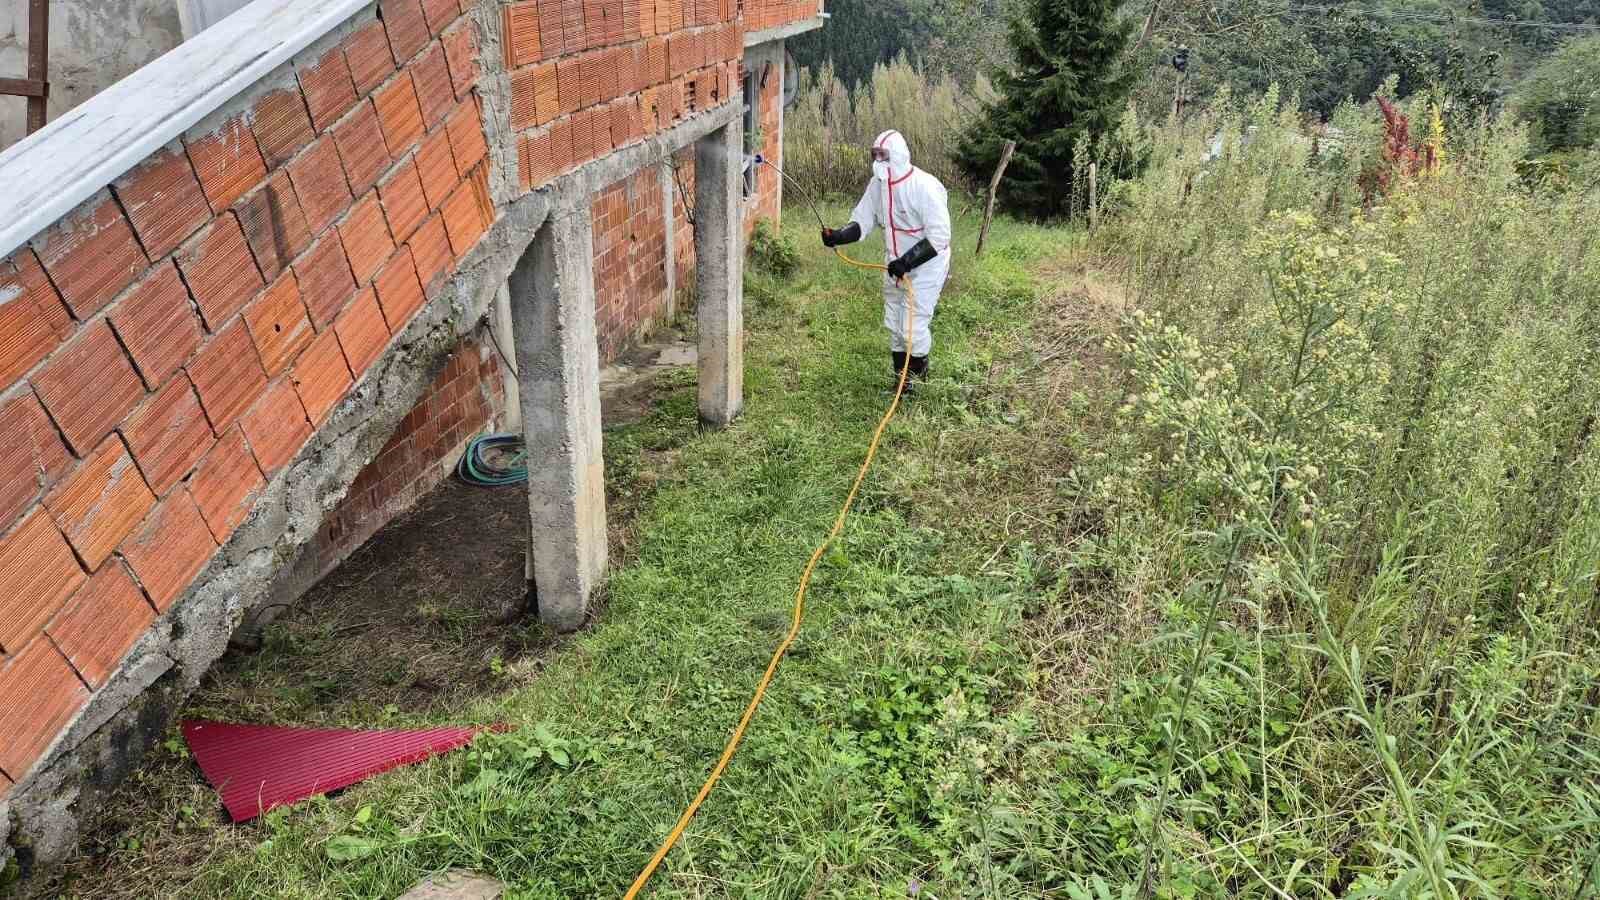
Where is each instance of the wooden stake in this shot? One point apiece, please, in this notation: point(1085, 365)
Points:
point(1149, 25)
point(1094, 196)
point(994, 185)
point(35, 87)
point(38, 61)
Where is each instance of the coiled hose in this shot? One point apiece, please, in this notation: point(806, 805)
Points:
point(494, 460)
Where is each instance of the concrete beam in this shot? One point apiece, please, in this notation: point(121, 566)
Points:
point(719, 273)
point(784, 31)
point(593, 177)
point(558, 366)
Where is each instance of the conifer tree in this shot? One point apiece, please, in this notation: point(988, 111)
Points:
point(1067, 78)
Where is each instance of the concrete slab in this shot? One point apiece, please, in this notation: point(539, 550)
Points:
point(784, 31)
point(456, 884)
point(677, 355)
point(631, 387)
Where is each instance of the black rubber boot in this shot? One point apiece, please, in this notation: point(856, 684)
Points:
point(899, 366)
point(919, 368)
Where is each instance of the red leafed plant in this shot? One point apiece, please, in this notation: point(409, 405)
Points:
point(1400, 156)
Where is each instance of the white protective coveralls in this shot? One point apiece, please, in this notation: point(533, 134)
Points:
point(911, 205)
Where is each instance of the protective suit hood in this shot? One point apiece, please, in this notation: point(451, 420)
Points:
point(899, 164)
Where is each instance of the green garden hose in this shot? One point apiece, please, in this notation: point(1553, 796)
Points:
point(494, 460)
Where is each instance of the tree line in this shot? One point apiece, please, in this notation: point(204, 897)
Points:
point(1066, 70)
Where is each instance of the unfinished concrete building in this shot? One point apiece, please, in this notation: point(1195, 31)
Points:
point(249, 302)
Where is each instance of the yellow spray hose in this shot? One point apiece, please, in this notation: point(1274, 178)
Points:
point(799, 601)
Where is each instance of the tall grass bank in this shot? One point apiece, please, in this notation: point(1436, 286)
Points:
point(1353, 462)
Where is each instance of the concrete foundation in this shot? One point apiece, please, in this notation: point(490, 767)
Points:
point(719, 273)
point(552, 312)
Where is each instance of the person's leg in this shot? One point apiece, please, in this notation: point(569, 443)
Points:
point(894, 321)
point(928, 283)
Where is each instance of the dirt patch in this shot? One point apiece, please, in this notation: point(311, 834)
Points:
point(1085, 297)
point(420, 617)
point(631, 387)
point(1075, 381)
point(433, 609)
point(430, 613)
point(409, 628)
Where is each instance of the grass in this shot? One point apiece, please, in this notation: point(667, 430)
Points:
point(1243, 550)
point(865, 768)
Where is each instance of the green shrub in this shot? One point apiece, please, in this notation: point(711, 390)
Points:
point(771, 252)
point(1560, 98)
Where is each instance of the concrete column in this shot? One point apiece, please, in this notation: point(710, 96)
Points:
point(505, 341)
point(558, 361)
point(671, 233)
point(777, 179)
point(719, 273)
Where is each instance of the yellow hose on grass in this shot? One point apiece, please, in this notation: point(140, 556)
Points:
point(799, 603)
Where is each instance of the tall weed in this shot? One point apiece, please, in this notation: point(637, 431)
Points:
point(829, 130)
point(1391, 411)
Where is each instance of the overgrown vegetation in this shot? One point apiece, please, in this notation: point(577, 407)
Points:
point(1353, 464)
point(827, 133)
point(772, 252)
point(1246, 548)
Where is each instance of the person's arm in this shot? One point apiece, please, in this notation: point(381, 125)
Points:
point(860, 225)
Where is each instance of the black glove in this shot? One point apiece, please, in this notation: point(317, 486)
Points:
point(920, 252)
point(833, 237)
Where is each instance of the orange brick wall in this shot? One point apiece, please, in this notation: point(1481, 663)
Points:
point(683, 230)
point(463, 401)
point(630, 261)
point(173, 344)
point(760, 15)
point(589, 76)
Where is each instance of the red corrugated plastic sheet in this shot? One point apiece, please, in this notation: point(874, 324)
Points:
point(261, 767)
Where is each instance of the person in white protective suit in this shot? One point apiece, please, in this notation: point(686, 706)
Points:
point(913, 209)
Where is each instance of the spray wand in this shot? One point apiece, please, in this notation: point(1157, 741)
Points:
point(816, 211)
